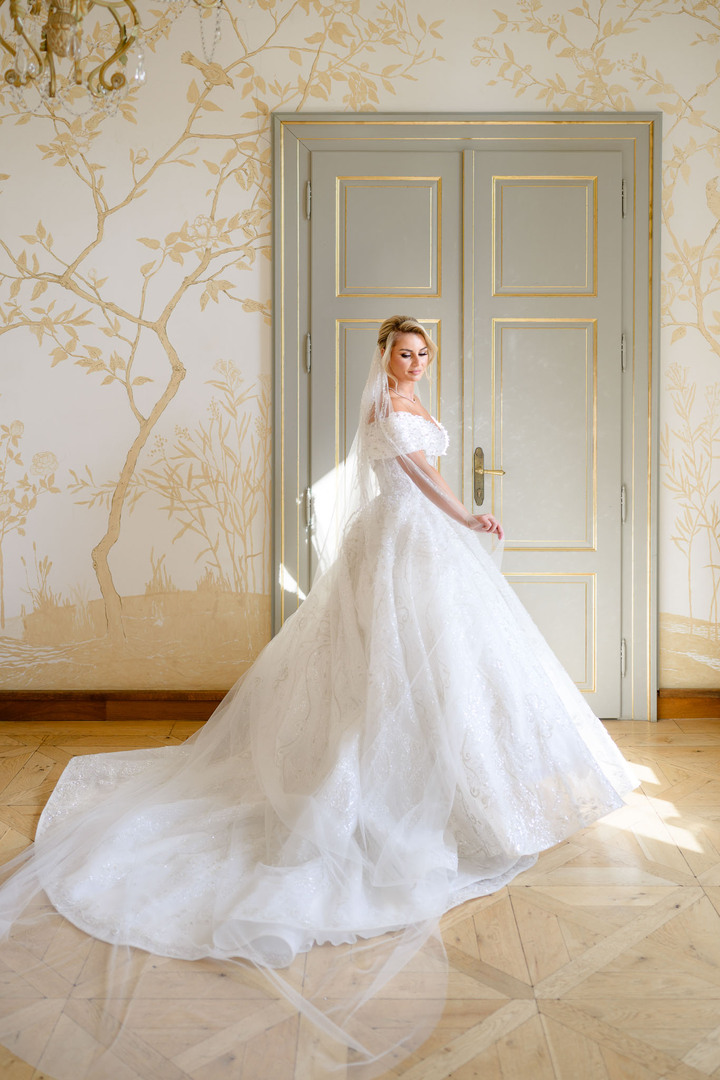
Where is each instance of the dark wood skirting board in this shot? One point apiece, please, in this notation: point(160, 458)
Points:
point(200, 704)
point(688, 704)
point(113, 705)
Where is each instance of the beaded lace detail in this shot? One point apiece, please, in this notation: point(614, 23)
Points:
point(405, 432)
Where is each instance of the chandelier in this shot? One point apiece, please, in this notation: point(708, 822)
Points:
point(49, 41)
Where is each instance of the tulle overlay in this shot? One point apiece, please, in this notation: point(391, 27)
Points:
point(407, 741)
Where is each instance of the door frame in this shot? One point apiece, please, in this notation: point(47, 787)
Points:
point(638, 136)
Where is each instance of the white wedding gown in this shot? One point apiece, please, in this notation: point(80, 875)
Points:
point(406, 742)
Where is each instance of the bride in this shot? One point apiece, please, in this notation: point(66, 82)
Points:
point(407, 742)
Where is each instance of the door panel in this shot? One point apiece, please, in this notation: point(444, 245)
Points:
point(544, 375)
point(377, 215)
point(548, 394)
point(544, 234)
point(572, 605)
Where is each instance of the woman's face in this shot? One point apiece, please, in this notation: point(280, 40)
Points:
point(408, 358)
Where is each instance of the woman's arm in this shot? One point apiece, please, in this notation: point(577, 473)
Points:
point(434, 487)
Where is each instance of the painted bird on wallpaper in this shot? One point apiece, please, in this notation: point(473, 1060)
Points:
point(213, 74)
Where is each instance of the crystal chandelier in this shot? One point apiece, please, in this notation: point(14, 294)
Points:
point(52, 51)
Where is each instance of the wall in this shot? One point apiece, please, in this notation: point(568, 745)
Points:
point(135, 286)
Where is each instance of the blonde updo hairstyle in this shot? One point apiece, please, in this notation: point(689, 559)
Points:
point(402, 324)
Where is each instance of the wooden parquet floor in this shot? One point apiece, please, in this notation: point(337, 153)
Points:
point(600, 963)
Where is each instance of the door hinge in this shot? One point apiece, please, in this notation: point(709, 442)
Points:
point(623, 197)
point(623, 353)
point(623, 658)
point(308, 353)
point(623, 503)
point(308, 508)
point(308, 200)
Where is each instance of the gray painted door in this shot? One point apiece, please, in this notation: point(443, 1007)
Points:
point(525, 248)
point(547, 395)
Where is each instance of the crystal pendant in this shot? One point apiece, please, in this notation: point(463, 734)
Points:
point(137, 72)
point(75, 43)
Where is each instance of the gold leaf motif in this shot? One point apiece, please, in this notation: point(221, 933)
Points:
point(355, 59)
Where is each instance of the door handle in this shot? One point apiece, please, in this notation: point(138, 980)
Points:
point(479, 474)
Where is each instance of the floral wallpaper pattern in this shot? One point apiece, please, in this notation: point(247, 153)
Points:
point(135, 313)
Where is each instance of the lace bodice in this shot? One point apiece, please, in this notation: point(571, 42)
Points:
point(402, 433)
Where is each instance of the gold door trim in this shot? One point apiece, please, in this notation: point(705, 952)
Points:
point(497, 217)
point(542, 577)
point(414, 291)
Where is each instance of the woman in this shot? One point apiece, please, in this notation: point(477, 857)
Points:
point(406, 742)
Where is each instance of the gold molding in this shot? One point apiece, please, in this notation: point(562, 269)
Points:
point(379, 121)
point(590, 577)
point(519, 322)
point(650, 613)
point(497, 223)
point(414, 291)
point(282, 382)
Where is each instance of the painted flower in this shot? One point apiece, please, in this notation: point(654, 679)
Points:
point(17, 428)
point(44, 463)
point(203, 230)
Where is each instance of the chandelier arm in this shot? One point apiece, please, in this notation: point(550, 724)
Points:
point(53, 76)
point(12, 76)
point(6, 44)
point(97, 84)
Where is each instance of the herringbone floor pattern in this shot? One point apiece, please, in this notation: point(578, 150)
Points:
point(601, 963)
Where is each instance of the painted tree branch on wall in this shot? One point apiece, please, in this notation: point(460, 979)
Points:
point(67, 305)
point(690, 451)
point(20, 489)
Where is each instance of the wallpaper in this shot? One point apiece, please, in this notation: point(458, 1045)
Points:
point(135, 283)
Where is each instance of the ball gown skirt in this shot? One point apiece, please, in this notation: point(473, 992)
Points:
point(406, 742)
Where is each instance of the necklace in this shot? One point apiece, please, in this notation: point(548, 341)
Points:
point(411, 399)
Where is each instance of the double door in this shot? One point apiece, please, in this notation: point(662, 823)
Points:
point(513, 259)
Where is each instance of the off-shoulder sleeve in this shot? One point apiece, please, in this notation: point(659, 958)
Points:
point(404, 433)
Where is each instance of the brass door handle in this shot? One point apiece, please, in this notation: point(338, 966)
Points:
point(479, 474)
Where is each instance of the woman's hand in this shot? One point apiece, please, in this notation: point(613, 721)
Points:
point(486, 523)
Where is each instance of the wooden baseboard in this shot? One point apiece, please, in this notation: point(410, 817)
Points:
point(688, 704)
point(113, 705)
point(200, 704)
